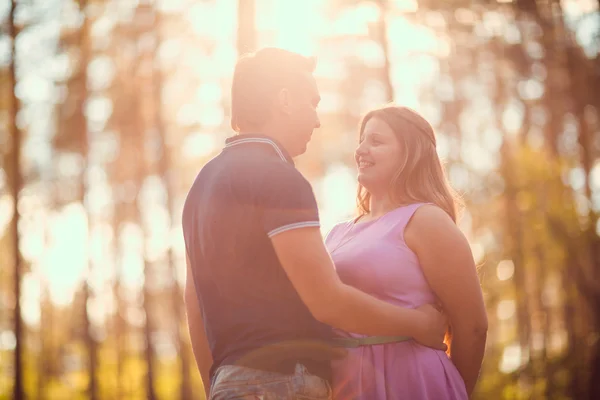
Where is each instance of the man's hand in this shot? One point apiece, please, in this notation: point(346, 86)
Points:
point(434, 325)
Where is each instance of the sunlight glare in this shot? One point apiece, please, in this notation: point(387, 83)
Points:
point(100, 307)
point(370, 54)
point(512, 118)
point(511, 358)
point(295, 25)
point(353, 21)
point(65, 261)
point(187, 115)
point(207, 18)
point(594, 179)
point(164, 346)
point(179, 254)
point(494, 23)
point(101, 71)
point(100, 250)
point(33, 239)
point(465, 16)
point(210, 93)
point(31, 299)
point(132, 264)
point(537, 341)
point(6, 212)
point(478, 252)
point(478, 158)
point(97, 110)
point(336, 194)
point(578, 7)
point(211, 117)
point(506, 309)
point(505, 270)
point(198, 145)
point(168, 6)
point(34, 88)
point(406, 6)
point(8, 340)
point(373, 94)
point(558, 341)
point(157, 242)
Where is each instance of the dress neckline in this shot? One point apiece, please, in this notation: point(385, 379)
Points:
point(355, 222)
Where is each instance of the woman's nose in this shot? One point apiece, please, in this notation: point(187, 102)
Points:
point(361, 149)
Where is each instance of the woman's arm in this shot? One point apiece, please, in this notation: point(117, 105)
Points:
point(447, 262)
point(200, 346)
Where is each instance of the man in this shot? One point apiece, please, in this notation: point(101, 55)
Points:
point(261, 291)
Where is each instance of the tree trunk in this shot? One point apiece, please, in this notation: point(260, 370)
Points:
point(246, 29)
point(90, 342)
point(119, 320)
point(148, 329)
point(16, 183)
point(513, 218)
point(515, 247)
point(382, 36)
point(46, 359)
point(143, 168)
point(164, 166)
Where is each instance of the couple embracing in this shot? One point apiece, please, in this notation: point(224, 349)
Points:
point(276, 312)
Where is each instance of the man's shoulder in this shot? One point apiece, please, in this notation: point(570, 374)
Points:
point(251, 173)
point(263, 170)
point(250, 163)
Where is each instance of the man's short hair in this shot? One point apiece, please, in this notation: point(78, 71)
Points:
point(258, 78)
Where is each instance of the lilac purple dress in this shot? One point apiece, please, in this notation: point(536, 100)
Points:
point(373, 257)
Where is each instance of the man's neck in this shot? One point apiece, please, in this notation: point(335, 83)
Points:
point(269, 132)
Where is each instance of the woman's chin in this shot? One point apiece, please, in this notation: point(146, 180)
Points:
point(364, 180)
point(370, 184)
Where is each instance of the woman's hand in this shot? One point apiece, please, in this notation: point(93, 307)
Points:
point(433, 326)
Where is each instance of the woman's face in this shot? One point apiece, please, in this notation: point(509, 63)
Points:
point(377, 156)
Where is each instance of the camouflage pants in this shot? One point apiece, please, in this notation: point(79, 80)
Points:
point(242, 383)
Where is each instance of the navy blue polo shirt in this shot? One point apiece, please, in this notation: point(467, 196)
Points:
point(248, 193)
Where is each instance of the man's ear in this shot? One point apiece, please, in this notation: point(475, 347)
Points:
point(284, 101)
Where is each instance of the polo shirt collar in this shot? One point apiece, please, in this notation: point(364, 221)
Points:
point(264, 140)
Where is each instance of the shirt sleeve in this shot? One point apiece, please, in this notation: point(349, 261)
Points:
point(286, 201)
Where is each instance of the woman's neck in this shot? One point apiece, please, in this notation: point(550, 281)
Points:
point(379, 206)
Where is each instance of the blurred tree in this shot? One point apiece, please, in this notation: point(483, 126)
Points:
point(15, 184)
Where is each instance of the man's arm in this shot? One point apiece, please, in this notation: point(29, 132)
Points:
point(309, 267)
point(448, 265)
point(200, 346)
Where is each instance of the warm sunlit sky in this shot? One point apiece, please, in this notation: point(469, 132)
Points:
point(56, 242)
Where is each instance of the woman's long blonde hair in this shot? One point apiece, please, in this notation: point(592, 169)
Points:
point(420, 177)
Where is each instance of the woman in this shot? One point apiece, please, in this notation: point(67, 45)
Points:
point(405, 248)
